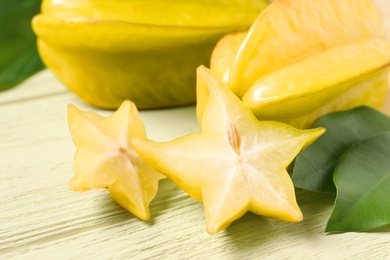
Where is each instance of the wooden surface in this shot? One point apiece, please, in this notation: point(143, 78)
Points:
point(40, 218)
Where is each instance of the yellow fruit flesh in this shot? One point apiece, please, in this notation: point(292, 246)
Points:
point(302, 87)
point(105, 159)
point(289, 30)
point(236, 164)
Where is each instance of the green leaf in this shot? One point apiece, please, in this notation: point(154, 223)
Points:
point(314, 167)
point(19, 57)
point(362, 178)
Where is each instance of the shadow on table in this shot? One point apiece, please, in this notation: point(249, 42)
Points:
point(255, 231)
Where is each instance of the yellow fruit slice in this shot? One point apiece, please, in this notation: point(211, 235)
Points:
point(305, 86)
point(105, 159)
point(236, 163)
point(289, 30)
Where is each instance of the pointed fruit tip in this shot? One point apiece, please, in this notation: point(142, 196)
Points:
point(297, 216)
point(139, 212)
point(77, 185)
point(127, 104)
point(291, 215)
point(145, 215)
point(213, 230)
point(71, 106)
point(72, 109)
point(73, 112)
point(208, 76)
point(312, 135)
point(202, 69)
point(122, 197)
point(213, 227)
point(318, 131)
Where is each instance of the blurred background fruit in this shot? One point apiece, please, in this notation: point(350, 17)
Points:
point(146, 51)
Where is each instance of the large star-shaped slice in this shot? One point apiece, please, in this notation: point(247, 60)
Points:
point(236, 163)
point(105, 159)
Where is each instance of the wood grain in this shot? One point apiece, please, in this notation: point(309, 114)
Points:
point(42, 219)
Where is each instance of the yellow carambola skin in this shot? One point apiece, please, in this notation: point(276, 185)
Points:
point(339, 78)
point(236, 163)
point(144, 51)
point(289, 30)
point(189, 13)
point(303, 59)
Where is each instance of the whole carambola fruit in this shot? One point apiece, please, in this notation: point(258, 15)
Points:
point(303, 59)
point(143, 50)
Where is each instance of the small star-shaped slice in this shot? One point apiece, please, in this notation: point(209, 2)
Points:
point(105, 159)
point(236, 164)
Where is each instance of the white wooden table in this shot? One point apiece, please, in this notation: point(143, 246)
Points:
point(40, 218)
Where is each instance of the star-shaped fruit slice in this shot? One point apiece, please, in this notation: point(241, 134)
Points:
point(105, 159)
point(236, 163)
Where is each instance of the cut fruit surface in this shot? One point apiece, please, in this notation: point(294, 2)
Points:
point(236, 163)
point(105, 159)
